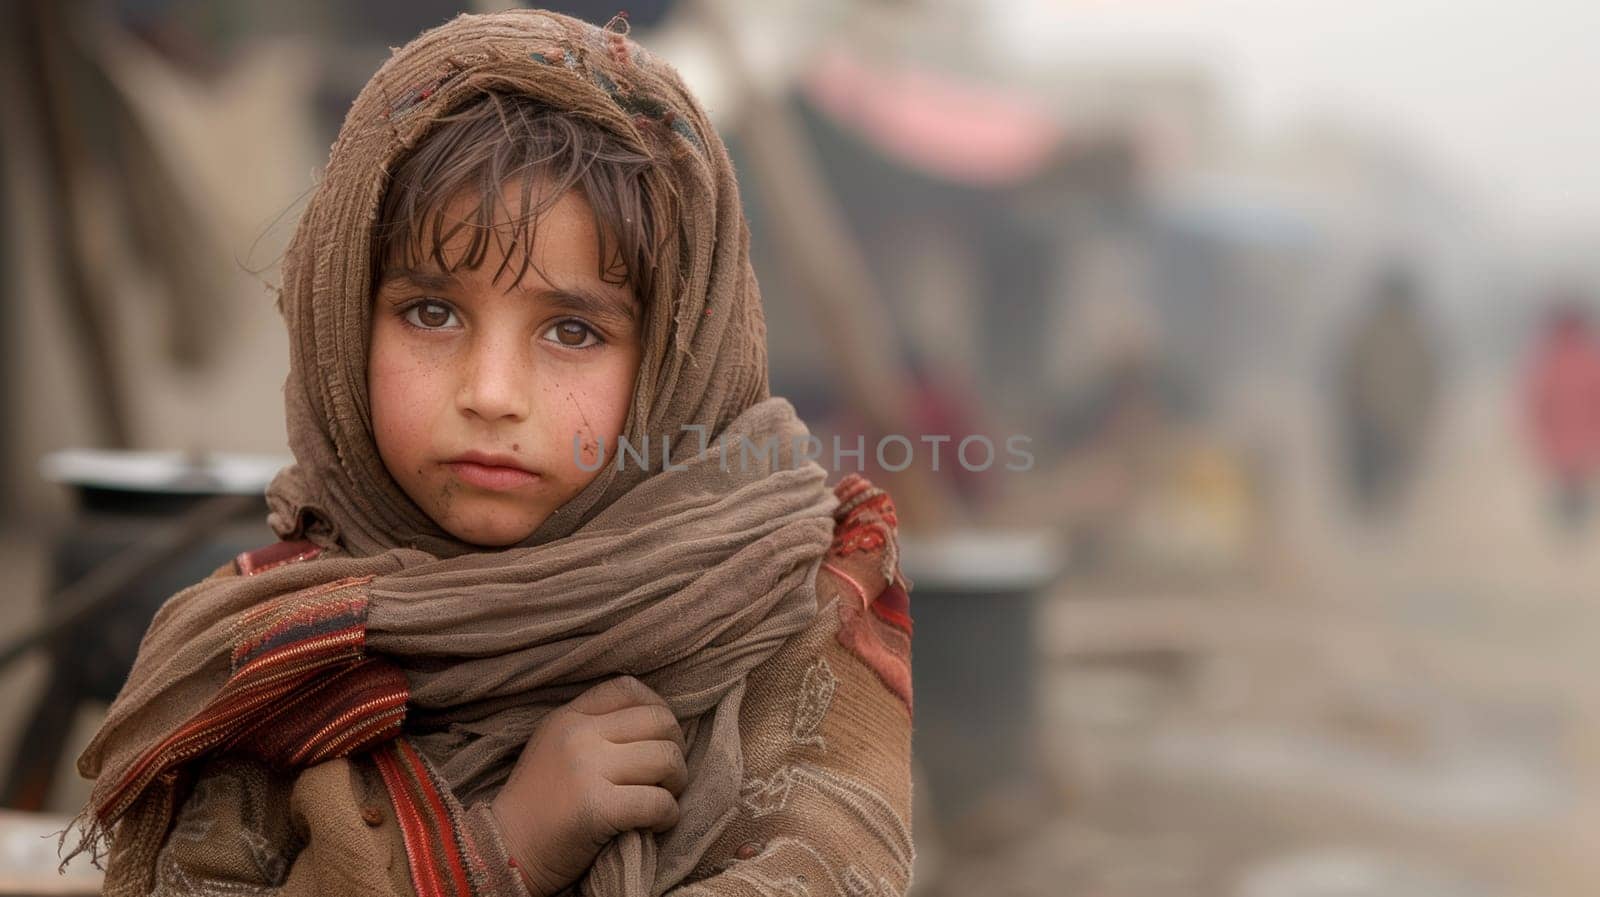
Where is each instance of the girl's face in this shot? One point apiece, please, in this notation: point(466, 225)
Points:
point(481, 389)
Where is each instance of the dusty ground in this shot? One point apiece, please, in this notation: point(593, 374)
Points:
point(1406, 709)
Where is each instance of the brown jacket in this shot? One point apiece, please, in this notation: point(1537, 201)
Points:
point(825, 805)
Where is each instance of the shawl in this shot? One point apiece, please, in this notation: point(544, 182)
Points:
point(687, 572)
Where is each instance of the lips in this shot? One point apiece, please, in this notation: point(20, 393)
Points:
point(496, 473)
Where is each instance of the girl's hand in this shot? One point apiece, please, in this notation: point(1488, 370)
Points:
point(607, 762)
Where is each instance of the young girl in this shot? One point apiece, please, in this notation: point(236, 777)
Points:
point(492, 653)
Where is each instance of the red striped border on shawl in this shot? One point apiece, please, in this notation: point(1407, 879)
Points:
point(300, 691)
point(336, 714)
point(442, 862)
point(278, 554)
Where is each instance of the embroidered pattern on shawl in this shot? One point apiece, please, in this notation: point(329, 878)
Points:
point(876, 626)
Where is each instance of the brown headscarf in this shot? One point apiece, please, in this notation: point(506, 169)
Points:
point(687, 576)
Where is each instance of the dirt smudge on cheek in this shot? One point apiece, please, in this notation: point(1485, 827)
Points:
point(589, 450)
point(589, 446)
point(445, 497)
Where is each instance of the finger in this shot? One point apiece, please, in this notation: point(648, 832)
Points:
point(647, 722)
point(646, 763)
point(628, 807)
point(615, 694)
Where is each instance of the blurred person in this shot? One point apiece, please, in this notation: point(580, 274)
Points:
point(1115, 439)
point(1388, 391)
point(478, 662)
point(1562, 399)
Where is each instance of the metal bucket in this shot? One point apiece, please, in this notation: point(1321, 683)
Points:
point(975, 673)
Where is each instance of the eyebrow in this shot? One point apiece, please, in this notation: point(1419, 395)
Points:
point(578, 299)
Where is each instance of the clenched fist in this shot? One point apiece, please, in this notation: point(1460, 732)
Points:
point(607, 762)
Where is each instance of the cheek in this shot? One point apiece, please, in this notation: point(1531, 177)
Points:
point(400, 388)
point(618, 393)
point(594, 408)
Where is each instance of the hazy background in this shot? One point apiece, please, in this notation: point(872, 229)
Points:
point(1299, 594)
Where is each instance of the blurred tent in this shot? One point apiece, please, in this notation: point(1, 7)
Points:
point(939, 178)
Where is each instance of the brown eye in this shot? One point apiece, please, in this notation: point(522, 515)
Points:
point(430, 315)
point(572, 334)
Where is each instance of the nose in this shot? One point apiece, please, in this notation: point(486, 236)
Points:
point(497, 383)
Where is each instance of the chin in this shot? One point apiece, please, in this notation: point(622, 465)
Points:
point(493, 538)
point(494, 534)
